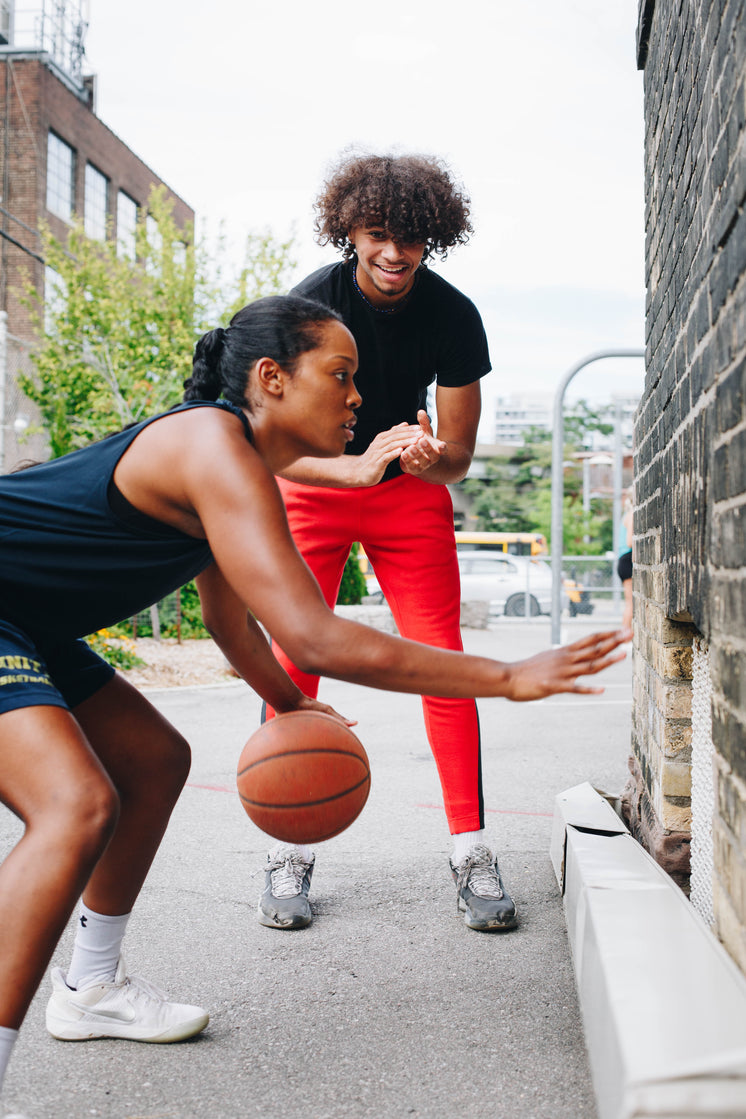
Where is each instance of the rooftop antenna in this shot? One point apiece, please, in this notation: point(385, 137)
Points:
point(57, 27)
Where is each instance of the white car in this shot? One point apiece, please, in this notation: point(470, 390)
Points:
point(503, 580)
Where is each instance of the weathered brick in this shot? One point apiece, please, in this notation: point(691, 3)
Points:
point(676, 779)
point(674, 701)
point(676, 739)
point(675, 662)
point(730, 928)
point(731, 801)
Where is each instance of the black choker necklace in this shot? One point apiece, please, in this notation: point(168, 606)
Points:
point(381, 310)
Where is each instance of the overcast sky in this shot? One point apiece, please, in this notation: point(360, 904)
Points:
point(536, 105)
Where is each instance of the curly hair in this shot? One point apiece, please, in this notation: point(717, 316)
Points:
point(413, 197)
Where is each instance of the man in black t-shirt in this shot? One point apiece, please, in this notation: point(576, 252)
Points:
point(388, 215)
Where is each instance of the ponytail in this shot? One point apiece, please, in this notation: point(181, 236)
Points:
point(281, 327)
point(204, 383)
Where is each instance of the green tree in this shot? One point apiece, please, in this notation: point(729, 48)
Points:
point(515, 493)
point(115, 336)
point(352, 588)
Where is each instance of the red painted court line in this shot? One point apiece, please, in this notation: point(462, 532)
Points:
point(212, 788)
point(439, 807)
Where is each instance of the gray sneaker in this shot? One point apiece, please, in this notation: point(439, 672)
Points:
point(284, 903)
point(481, 895)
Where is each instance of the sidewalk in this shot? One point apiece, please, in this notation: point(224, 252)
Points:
point(387, 1005)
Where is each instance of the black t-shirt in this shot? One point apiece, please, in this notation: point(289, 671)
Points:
point(437, 335)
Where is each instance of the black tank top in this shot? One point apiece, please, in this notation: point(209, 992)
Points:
point(70, 563)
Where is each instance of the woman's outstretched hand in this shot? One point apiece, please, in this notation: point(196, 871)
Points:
point(305, 703)
point(558, 670)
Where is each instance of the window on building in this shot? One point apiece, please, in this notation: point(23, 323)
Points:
point(60, 177)
point(55, 294)
point(6, 21)
point(96, 202)
point(126, 226)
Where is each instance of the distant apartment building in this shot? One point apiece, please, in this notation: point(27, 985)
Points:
point(57, 161)
point(514, 416)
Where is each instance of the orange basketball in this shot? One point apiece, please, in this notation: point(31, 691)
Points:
point(303, 777)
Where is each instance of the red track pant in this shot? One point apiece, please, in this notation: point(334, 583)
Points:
point(406, 528)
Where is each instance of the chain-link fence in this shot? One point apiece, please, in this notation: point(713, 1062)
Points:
point(592, 585)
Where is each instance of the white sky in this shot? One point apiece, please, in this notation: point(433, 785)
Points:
point(537, 105)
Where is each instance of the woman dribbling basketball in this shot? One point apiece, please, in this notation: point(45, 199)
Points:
point(94, 537)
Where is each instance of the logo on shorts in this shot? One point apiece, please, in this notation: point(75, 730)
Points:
point(17, 669)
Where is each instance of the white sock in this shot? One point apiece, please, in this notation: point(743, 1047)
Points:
point(463, 842)
point(305, 852)
point(98, 943)
point(7, 1041)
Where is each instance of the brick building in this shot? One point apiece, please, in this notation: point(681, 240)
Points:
point(57, 161)
point(689, 716)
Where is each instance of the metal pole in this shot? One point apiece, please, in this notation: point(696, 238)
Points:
point(558, 450)
point(616, 582)
point(586, 495)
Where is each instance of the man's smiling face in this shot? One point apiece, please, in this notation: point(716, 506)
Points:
point(386, 269)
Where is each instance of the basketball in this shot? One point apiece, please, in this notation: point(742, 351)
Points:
point(303, 777)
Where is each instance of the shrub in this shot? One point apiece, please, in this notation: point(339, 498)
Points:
point(352, 588)
point(115, 647)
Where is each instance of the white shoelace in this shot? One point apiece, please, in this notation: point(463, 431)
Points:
point(144, 988)
point(287, 877)
point(479, 872)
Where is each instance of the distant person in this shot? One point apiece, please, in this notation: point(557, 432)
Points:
point(388, 216)
point(624, 562)
point(87, 764)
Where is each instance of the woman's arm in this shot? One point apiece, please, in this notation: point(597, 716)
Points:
point(242, 641)
point(355, 471)
point(241, 511)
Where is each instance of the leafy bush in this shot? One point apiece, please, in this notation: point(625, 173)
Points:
point(115, 647)
point(352, 587)
point(192, 625)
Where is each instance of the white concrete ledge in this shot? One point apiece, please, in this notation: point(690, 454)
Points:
point(663, 1005)
point(474, 615)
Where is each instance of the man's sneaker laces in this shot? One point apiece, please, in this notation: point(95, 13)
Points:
point(287, 871)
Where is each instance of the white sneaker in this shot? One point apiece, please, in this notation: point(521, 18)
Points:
point(129, 1007)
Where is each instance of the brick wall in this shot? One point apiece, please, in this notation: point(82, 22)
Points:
point(33, 100)
point(690, 461)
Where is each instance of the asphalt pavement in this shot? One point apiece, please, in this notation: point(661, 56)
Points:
point(387, 1006)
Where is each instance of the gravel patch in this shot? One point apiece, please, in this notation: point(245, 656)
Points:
point(168, 664)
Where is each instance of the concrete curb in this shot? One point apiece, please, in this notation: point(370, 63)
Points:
point(663, 1005)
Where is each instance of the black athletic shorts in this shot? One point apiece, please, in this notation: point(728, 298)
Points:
point(62, 674)
point(624, 567)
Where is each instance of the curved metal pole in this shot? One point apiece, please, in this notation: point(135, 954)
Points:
point(558, 454)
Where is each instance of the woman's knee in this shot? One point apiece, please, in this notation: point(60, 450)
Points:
point(86, 814)
point(159, 769)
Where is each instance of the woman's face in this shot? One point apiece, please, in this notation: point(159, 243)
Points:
point(322, 393)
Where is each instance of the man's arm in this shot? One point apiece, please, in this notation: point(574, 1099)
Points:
point(353, 471)
point(447, 457)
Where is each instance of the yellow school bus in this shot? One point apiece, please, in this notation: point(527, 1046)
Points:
point(516, 543)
